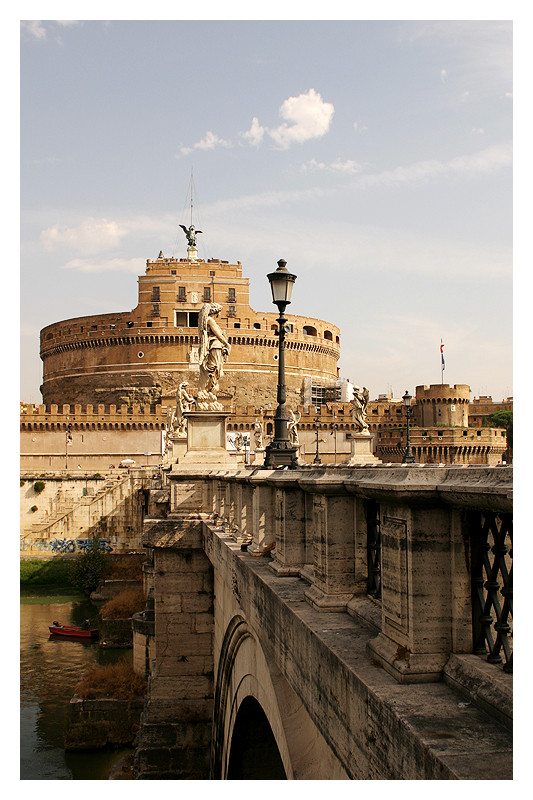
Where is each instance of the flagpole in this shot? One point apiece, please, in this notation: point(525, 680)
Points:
point(441, 363)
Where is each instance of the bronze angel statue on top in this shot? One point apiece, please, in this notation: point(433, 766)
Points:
point(191, 234)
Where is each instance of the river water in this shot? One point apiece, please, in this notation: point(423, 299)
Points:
point(50, 670)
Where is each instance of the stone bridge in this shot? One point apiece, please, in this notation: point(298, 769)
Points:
point(329, 623)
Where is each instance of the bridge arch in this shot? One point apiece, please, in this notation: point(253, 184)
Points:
point(256, 710)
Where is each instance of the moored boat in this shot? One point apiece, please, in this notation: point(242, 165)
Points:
point(73, 632)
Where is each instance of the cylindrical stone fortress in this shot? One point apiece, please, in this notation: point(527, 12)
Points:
point(142, 355)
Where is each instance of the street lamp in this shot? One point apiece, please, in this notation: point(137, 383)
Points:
point(280, 452)
point(316, 459)
point(408, 456)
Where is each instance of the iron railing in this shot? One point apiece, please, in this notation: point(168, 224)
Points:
point(492, 587)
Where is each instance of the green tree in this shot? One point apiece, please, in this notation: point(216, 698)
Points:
point(89, 568)
point(503, 419)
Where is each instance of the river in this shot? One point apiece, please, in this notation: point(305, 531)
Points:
point(50, 670)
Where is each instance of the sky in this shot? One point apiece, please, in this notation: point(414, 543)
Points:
point(374, 156)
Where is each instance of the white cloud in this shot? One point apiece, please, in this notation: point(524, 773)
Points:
point(348, 167)
point(34, 27)
point(255, 133)
point(443, 75)
point(38, 30)
point(307, 117)
point(90, 236)
point(209, 142)
point(478, 131)
point(359, 128)
point(135, 265)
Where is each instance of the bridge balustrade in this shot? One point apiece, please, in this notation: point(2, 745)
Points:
point(421, 553)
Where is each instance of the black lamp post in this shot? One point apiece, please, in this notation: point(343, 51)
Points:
point(316, 459)
point(280, 452)
point(408, 456)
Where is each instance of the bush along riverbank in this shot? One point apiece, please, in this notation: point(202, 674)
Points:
point(106, 708)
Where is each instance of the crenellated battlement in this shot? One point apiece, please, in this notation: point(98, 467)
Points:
point(91, 417)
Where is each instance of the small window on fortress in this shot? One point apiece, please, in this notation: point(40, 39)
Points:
point(181, 319)
point(149, 324)
point(212, 274)
point(207, 294)
point(182, 293)
point(130, 323)
point(231, 295)
point(172, 271)
point(309, 330)
point(237, 325)
point(94, 327)
point(155, 294)
point(193, 319)
point(257, 325)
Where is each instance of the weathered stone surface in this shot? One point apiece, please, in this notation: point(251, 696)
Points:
point(103, 722)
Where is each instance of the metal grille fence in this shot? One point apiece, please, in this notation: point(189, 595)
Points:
point(492, 587)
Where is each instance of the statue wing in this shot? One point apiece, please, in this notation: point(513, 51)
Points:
point(185, 229)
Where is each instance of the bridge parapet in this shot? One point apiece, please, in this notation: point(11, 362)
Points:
point(411, 550)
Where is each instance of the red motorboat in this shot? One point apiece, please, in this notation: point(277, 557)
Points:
point(72, 632)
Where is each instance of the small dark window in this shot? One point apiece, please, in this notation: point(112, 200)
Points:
point(212, 274)
point(207, 294)
point(130, 324)
point(155, 294)
point(182, 293)
point(155, 310)
point(231, 311)
point(148, 324)
point(172, 271)
point(94, 327)
point(193, 319)
point(237, 325)
point(257, 325)
point(231, 295)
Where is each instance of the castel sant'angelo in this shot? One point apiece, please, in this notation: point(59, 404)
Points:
point(141, 356)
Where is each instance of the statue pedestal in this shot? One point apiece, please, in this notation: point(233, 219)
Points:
point(206, 439)
point(192, 254)
point(362, 450)
point(258, 456)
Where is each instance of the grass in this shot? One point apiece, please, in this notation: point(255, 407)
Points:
point(111, 680)
point(53, 572)
point(124, 604)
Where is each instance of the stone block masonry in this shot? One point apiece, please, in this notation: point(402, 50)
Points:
point(176, 722)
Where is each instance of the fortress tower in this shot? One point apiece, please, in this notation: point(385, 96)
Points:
point(443, 405)
point(141, 356)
